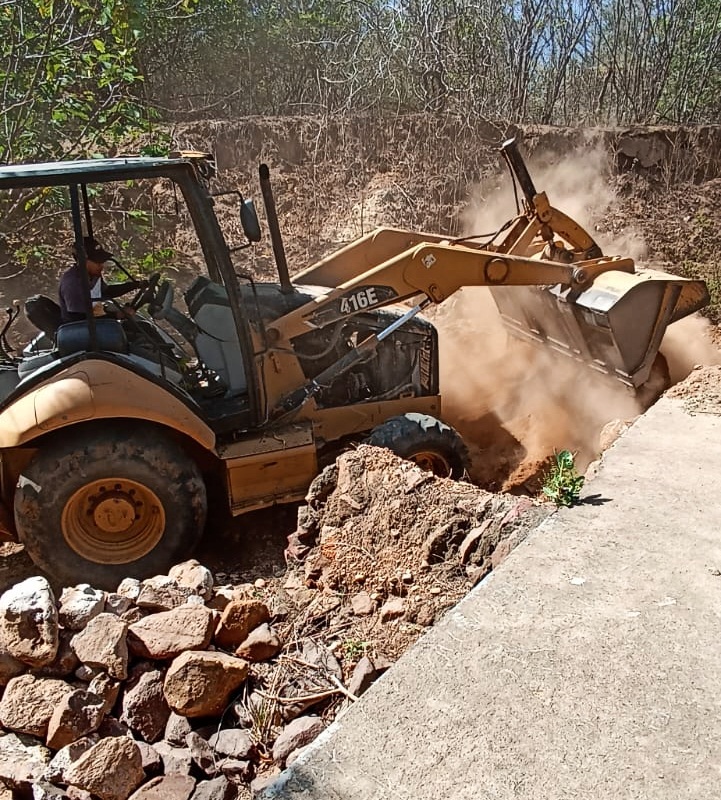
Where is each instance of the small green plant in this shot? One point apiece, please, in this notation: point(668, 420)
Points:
point(562, 484)
point(354, 649)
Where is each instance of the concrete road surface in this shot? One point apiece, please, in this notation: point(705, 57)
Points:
point(587, 666)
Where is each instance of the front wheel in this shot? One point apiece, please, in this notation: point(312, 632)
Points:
point(104, 502)
point(426, 441)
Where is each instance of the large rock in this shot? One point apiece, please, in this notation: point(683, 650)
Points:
point(78, 605)
point(175, 759)
point(76, 715)
point(363, 676)
point(238, 619)
point(22, 761)
point(169, 633)
point(201, 753)
point(261, 644)
point(166, 787)
point(200, 683)
point(194, 576)
point(55, 770)
point(297, 733)
point(29, 702)
point(219, 788)
point(103, 644)
point(232, 743)
point(145, 709)
point(29, 622)
point(112, 769)
point(162, 593)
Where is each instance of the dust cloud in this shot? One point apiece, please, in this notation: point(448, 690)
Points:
point(516, 403)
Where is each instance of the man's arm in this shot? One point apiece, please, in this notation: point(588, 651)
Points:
point(113, 290)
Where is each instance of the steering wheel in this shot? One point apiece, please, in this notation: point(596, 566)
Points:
point(146, 294)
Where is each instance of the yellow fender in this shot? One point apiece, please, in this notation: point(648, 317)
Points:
point(96, 389)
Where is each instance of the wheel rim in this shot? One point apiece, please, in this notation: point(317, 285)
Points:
point(433, 462)
point(113, 521)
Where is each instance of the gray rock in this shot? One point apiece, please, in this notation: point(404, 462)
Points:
point(201, 753)
point(161, 593)
point(175, 759)
point(200, 683)
point(363, 676)
point(55, 770)
point(130, 588)
point(23, 761)
point(219, 788)
point(111, 769)
point(29, 622)
point(237, 620)
point(29, 702)
point(297, 733)
point(176, 729)
point(321, 657)
point(262, 782)
point(151, 760)
point(261, 644)
point(194, 576)
point(232, 743)
point(166, 787)
point(235, 770)
point(46, 791)
point(118, 604)
point(145, 709)
point(103, 644)
point(78, 605)
point(167, 634)
point(76, 715)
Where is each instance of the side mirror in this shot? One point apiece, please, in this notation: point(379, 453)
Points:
point(249, 221)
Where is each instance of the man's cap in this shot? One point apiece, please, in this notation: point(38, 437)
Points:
point(94, 251)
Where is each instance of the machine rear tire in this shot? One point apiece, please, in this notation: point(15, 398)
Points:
point(426, 441)
point(109, 501)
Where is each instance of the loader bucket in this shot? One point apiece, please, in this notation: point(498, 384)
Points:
point(615, 326)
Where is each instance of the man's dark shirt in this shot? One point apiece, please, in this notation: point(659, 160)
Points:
point(73, 297)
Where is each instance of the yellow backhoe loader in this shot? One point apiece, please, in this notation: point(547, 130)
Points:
point(113, 427)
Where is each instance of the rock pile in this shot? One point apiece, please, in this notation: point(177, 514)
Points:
point(146, 692)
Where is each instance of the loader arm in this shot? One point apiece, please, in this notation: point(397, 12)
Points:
point(437, 270)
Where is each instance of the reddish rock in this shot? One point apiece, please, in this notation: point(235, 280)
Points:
point(145, 709)
point(55, 771)
point(238, 619)
point(108, 688)
point(65, 662)
point(76, 715)
point(166, 787)
point(393, 608)
point(29, 622)
point(112, 769)
point(297, 733)
point(362, 604)
point(168, 633)
point(219, 788)
point(261, 644)
point(103, 645)
point(200, 683)
point(177, 729)
point(10, 667)
point(363, 676)
point(29, 702)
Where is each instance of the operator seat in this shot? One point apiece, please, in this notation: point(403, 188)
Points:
point(44, 314)
point(217, 342)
